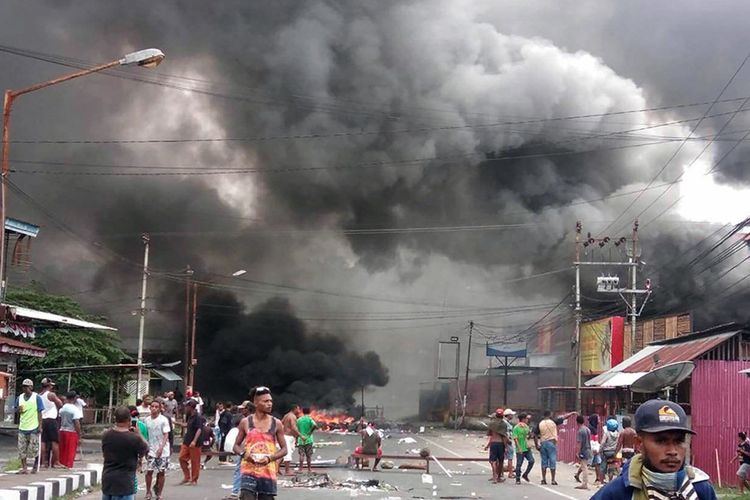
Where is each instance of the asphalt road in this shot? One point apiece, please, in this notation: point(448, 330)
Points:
point(468, 479)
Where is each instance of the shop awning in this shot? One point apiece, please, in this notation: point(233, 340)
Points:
point(55, 319)
point(658, 354)
point(167, 374)
point(13, 346)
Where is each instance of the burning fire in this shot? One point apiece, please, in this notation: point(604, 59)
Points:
point(331, 420)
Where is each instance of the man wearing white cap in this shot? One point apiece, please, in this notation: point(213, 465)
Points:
point(510, 450)
point(30, 418)
point(50, 427)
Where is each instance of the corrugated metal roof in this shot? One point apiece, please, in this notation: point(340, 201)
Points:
point(672, 353)
point(642, 362)
point(25, 312)
point(604, 379)
point(621, 379)
point(167, 374)
point(13, 346)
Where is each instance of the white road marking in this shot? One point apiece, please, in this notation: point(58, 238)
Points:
point(550, 490)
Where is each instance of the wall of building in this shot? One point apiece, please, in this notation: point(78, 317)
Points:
point(720, 410)
point(485, 393)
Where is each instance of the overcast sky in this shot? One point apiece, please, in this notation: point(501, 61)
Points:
point(412, 98)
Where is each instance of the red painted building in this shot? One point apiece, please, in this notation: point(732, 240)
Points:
point(715, 396)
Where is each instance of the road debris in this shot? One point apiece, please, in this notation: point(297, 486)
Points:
point(327, 444)
point(318, 480)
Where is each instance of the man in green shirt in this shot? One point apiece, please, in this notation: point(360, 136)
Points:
point(520, 437)
point(306, 426)
point(30, 408)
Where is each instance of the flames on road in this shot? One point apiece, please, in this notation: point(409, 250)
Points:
point(331, 419)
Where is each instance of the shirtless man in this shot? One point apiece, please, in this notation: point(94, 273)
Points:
point(498, 439)
point(626, 441)
point(291, 433)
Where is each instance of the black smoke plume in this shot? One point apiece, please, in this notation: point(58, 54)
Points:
point(360, 74)
point(271, 346)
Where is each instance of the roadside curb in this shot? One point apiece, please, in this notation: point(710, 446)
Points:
point(54, 487)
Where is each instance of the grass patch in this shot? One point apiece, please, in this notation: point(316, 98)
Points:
point(77, 494)
point(728, 493)
point(12, 464)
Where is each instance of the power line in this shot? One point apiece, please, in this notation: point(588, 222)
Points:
point(163, 80)
point(692, 131)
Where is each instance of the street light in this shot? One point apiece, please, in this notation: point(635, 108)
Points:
point(148, 58)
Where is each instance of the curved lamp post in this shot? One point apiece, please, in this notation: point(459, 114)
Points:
point(148, 58)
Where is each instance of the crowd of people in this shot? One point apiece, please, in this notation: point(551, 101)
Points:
point(49, 428)
point(645, 461)
point(247, 436)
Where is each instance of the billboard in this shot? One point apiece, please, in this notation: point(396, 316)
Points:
point(510, 350)
point(601, 344)
point(449, 359)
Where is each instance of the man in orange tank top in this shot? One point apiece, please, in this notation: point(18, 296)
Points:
point(260, 444)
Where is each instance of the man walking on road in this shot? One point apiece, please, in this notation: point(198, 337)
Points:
point(498, 437)
point(170, 406)
point(520, 436)
point(291, 433)
point(260, 443)
point(626, 441)
point(122, 451)
point(246, 408)
point(225, 425)
point(548, 447)
point(583, 438)
point(659, 471)
point(190, 451)
point(30, 420)
point(157, 459)
point(510, 449)
point(306, 426)
point(50, 429)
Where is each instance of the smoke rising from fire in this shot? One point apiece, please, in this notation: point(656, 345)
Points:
point(469, 94)
point(270, 346)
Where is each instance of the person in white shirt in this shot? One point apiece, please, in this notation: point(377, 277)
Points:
point(144, 409)
point(199, 401)
point(157, 459)
point(50, 428)
point(80, 403)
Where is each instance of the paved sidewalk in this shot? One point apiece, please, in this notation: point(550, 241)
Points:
point(48, 484)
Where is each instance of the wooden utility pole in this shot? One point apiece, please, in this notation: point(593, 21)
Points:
point(578, 317)
point(193, 360)
point(186, 371)
point(466, 380)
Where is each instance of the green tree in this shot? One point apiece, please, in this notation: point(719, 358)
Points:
point(70, 346)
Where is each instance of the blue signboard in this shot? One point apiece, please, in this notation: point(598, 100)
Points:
point(514, 350)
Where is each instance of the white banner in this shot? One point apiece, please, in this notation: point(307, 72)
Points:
point(25, 330)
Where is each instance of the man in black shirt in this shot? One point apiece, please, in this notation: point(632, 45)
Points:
point(225, 425)
point(190, 451)
point(122, 450)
